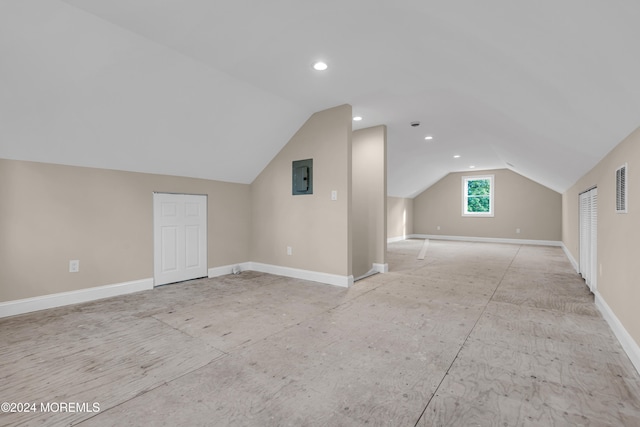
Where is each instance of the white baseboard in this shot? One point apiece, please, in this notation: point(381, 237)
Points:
point(487, 240)
point(396, 239)
point(381, 268)
point(375, 269)
point(628, 343)
point(572, 260)
point(228, 269)
point(27, 305)
point(314, 276)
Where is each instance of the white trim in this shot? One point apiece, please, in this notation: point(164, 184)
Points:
point(572, 260)
point(228, 269)
point(314, 276)
point(488, 240)
point(27, 305)
point(397, 239)
point(375, 269)
point(628, 344)
point(381, 268)
point(369, 273)
point(465, 190)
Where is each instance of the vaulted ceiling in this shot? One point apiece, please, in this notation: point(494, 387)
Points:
point(214, 89)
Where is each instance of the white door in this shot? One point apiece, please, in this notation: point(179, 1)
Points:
point(179, 237)
point(589, 237)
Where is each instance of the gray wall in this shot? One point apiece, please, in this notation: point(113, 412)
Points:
point(369, 198)
point(50, 214)
point(519, 203)
point(399, 217)
point(618, 234)
point(317, 228)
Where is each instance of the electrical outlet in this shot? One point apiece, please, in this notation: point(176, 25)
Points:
point(74, 266)
point(289, 250)
point(517, 231)
point(334, 195)
point(438, 228)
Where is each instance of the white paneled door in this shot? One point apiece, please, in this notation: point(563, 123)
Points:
point(179, 237)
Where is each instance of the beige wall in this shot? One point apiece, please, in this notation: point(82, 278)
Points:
point(519, 203)
point(618, 234)
point(369, 198)
point(50, 214)
point(399, 217)
point(316, 227)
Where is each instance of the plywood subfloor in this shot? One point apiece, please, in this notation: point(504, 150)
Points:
point(473, 334)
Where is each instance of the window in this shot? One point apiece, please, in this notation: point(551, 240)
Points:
point(621, 189)
point(477, 195)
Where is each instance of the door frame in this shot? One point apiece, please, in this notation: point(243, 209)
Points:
point(155, 235)
point(588, 237)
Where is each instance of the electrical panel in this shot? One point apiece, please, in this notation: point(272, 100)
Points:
point(302, 177)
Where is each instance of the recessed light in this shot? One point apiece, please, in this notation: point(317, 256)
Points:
point(357, 118)
point(472, 167)
point(428, 137)
point(320, 66)
point(457, 156)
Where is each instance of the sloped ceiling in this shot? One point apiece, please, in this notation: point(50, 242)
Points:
point(214, 89)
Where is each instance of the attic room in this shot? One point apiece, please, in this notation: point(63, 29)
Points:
point(408, 214)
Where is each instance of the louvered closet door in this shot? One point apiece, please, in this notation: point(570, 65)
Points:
point(593, 240)
point(583, 229)
point(589, 237)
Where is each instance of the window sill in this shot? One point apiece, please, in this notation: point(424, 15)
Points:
point(478, 215)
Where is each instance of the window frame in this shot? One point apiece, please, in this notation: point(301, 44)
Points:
point(465, 191)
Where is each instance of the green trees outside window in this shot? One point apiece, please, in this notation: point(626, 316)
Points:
point(477, 194)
